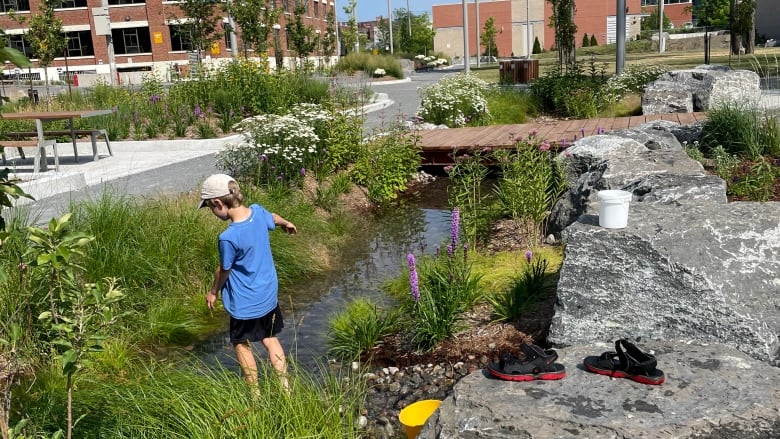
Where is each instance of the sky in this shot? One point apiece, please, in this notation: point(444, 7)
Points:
point(368, 10)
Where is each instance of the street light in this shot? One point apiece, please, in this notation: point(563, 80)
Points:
point(390, 22)
point(466, 67)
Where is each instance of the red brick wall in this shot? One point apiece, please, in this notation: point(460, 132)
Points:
point(451, 15)
point(676, 13)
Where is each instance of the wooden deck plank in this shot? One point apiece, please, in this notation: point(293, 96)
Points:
point(591, 126)
point(686, 118)
point(620, 123)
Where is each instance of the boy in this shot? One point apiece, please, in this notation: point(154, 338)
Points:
point(246, 275)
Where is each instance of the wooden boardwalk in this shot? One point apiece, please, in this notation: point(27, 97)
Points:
point(438, 145)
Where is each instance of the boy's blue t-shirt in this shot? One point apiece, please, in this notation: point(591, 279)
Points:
point(251, 290)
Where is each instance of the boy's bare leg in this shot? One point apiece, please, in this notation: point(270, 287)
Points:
point(276, 356)
point(247, 362)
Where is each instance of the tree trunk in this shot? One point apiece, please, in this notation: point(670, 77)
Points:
point(734, 38)
point(750, 38)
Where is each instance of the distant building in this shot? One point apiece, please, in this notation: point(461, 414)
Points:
point(520, 22)
point(370, 30)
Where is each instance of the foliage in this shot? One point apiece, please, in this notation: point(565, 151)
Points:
point(712, 13)
point(693, 151)
point(358, 329)
point(650, 22)
point(488, 37)
point(46, 36)
point(562, 19)
point(418, 38)
point(442, 287)
point(593, 41)
point(274, 149)
point(725, 164)
point(328, 42)
point(634, 78)
point(255, 28)
point(526, 289)
point(350, 36)
point(300, 36)
point(530, 184)
point(368, 63)
point(741, 130)
point(456, 100)
point(385, 165)
point(755, 181)
point(200, 27)
point(467, 177)
point(575, 92)
point(509, 106)
point(585, 40)
point(537, 46)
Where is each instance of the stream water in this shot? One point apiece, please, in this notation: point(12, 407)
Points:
point(377, 253)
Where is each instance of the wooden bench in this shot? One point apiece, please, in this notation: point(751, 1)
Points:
point(92, 133)
point(39, 151)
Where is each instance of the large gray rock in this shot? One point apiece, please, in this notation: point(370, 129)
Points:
point(613, 162)
point(700, 89)
point(698, 271)
point(711, 391)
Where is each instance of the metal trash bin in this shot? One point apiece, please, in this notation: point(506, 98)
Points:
point(33, 95)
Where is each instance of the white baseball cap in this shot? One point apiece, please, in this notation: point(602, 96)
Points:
point(217, 185)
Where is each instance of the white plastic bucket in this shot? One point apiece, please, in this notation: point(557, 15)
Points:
point(613, 209)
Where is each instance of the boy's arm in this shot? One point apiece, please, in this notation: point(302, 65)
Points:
point(220, 277)
point(287, 226)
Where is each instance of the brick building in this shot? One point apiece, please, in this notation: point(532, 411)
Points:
point(144, 34)
point(519, 22)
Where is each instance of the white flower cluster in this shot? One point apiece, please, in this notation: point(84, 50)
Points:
point(455, 100)
point(633, 79)
point(379, 73)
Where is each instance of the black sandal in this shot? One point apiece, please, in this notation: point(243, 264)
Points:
point(538, 364)
point(630, 363)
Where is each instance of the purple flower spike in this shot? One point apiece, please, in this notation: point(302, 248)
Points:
point(197, 110)
point(263, 157)
point(582, 131)
point(465, 252)
point(414, 282)
point(528, 255)
point(455, 226)
point(450, 250)
point(303, 172)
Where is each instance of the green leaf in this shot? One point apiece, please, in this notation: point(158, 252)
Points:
point(43, 259)
point(44, 315)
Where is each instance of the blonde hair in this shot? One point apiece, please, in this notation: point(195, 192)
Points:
point(235, 198)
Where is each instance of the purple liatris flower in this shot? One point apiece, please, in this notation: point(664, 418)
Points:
point(465, 252)
point(303, 172)
point(197, 110)
point(582, 130)
point(450, 250)
point(455, 226)
point(414, 282)
point(528, 255)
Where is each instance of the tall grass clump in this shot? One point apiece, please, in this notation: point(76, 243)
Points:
point(509, 106)
point(741, 129)
point(359, 328)
point(385, 165)
point(527, 288)
point(369, 63)
point(579, 92)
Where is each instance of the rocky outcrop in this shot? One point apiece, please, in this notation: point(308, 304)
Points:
point(711, 391)
point(688, 265)
point(699, 89)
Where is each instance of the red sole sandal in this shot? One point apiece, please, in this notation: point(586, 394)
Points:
point(627, 362)
point(537, 365)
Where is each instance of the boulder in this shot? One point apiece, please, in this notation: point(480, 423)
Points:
point(711, 391)
point(693, 270)
point(700, 89)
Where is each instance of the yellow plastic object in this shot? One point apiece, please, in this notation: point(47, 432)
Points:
point(413, 417)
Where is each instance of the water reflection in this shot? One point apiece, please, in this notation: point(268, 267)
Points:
point(377, 253)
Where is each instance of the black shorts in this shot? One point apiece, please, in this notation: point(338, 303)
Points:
point(242, 331)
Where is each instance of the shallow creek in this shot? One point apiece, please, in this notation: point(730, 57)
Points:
point(377, 253)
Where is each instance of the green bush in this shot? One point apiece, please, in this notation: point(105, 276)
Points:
point(509, 106)
point(456, 100)
point(537, 46)
point(573, 93)
point(358, 329)
point(368, 63)
point(526, 289)
point(742, 130)
point(385, 165)
point(585, 40)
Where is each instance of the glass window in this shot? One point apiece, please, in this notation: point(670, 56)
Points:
point(131, 40)
point(18, 42)
point(80, 43)
point(181, 37)
point(69, 4)
point(666, 2)
point(16, 5)
point(125, 2)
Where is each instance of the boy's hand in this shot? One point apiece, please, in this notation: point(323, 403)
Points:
point(289, 228)
point(211, 297)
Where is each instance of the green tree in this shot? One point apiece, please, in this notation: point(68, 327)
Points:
point(743, 25)
point(328, 41)
point(349, 35)
point(537, 46)
point(300, 37)
point(46, 37)
point(200, 29)
point(650, 22)
point(255, 28)
point(712, 13)
point(585, 40)
point(415, 40)
point(593, 41)
point(562, 19)
point(488, 37)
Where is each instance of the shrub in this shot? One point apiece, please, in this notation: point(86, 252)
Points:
point(741, 130)
point(585, 40)
point(456, 100)
point(369, 63)
point(634, 78)
point(358, 329)
point(385, 165)
point(573, 93)
point(526, 289)
point(593, 41)
point(537, 46)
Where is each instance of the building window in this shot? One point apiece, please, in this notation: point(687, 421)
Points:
point(69, 4)
point(125, 2)
point(316, 9)
point(228, 30)
point(666, 2)
point(131, 40)
point(181, 37)
point(80, 43)
point(16, 5)
point(18, 42)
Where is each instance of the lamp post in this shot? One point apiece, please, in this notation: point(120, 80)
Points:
point(476, 28)
point(390, 22)
point(528, 30)
point(466, 67)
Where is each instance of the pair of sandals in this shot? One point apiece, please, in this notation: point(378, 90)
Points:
point(626, 361)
